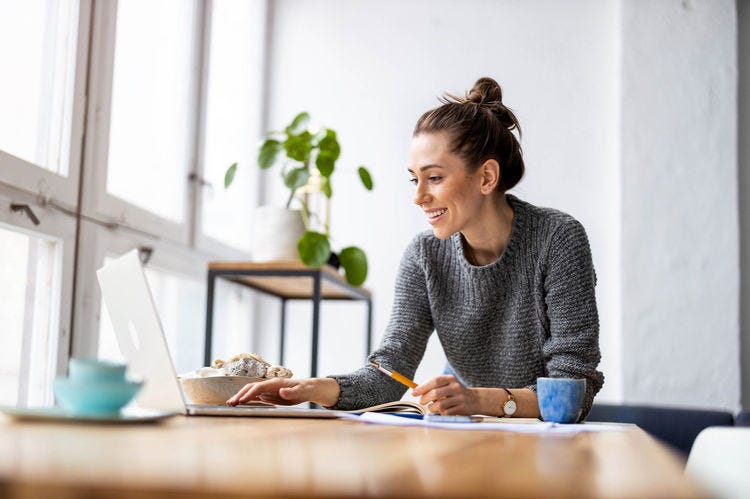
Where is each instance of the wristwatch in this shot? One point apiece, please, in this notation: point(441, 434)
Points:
point(509, 406)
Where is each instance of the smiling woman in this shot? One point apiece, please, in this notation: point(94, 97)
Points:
point(507, 286)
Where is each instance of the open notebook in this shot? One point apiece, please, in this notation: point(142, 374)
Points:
point(398, 407)
point(140, 337)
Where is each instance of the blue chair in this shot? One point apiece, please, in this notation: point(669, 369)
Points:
point(676, 427)
point(742, 419)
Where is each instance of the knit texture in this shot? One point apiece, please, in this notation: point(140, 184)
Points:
point(531, 313)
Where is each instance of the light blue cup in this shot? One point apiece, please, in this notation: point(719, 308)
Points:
point(560, 399)
point(95, 388)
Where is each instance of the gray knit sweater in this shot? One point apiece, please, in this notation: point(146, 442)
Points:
point(529, 314)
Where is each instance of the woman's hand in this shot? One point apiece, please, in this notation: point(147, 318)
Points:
point(446, 395)
point(285, 391)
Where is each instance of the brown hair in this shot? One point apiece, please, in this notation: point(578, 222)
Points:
point(481, 128)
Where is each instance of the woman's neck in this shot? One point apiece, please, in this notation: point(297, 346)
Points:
point(486, 239)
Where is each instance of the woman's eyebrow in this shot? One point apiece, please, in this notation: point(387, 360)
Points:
point(425, 167)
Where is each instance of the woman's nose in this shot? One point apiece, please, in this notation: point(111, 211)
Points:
point(420, 196)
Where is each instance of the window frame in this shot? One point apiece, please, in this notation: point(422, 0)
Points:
point(26, 176)
point(60, 227)
point(201, 241)
point(96, 201)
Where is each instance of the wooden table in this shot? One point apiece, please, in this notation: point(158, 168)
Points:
point(286, 281)
point(197, 457)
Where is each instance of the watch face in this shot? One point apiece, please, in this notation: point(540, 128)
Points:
point(509, 407)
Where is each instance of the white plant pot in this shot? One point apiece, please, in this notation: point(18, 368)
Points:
point(275, 234)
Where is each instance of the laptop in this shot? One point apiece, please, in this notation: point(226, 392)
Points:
point(141, 339)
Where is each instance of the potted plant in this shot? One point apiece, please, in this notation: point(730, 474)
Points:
point(308, 159)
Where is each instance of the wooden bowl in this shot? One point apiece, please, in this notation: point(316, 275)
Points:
point(215, 390)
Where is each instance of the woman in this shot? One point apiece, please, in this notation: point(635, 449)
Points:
point(507, 286)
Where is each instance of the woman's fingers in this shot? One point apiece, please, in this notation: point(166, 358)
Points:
point(252, 391)
point(433, 383)
point(234, 400)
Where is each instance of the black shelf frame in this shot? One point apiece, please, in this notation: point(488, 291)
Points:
point(317, 275)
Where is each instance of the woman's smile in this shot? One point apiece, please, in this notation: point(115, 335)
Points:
point(433, 216)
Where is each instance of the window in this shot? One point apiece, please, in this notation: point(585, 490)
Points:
point(38, 57)
point(151, 130)
point(30, 297)
point(233, 119)
point(166, 91)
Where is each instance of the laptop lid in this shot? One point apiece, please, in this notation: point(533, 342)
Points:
point(139, 334)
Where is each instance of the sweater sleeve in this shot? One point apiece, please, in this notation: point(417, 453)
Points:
point(572, 348)
point(403, 344)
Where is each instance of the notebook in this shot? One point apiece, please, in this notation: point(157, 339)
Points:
point(141, 339)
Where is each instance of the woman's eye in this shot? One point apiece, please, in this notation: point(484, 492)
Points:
point(434, 178)
point(413, 181)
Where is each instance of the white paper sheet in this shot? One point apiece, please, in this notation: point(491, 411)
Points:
point(525, 427)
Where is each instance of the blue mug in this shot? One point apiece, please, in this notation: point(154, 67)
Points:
point(89, 369)
point(560, 399)
point(95, 388)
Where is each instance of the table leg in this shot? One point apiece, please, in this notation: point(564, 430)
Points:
point(283, 332)
point(315, 325)
point(368, 345)
point(208, 341)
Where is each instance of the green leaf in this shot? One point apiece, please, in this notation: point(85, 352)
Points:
point(268, 153)
point(229, 175)
point(296, 178)
point(330, 144)
point(321, 135)
point(354, 262)
point(298, 124)
point(299, 146)
point(365, 177)
point(325, 187)
point(325, 163)
point(314, 249)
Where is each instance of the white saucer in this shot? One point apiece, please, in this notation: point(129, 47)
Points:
point(128, 415)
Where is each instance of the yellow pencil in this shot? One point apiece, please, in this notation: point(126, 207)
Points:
point(393, 374)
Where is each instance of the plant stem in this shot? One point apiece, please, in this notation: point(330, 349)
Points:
point(291, 196)
point(305, 215)
point(327, 223)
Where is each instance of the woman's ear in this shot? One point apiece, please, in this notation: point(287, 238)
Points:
point(490, 173)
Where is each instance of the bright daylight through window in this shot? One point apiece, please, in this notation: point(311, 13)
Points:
point(38, 58)
point(30, 306)
point(150, 130)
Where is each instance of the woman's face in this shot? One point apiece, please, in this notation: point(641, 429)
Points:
point(449, 196)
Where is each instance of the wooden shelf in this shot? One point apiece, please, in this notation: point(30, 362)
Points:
point(291, 280)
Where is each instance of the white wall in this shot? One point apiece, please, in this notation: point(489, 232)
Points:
point(679, 192)
point(571, 71)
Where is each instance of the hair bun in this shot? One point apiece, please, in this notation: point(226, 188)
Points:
point(485, 91)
